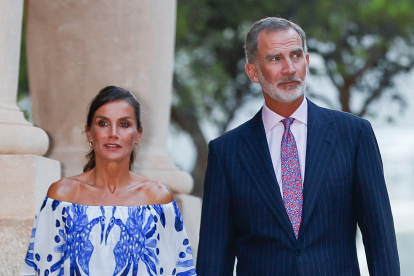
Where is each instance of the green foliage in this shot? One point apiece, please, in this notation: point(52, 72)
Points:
point(23, 86)
point(380, 12)
point(363, 44)
point(353, 36)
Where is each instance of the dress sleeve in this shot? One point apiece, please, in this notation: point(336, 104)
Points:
point(45, 254)
point(175, 252)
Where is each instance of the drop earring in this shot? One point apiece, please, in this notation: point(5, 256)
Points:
point(90, 145)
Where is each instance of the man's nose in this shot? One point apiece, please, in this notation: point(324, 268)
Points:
point(288, 68)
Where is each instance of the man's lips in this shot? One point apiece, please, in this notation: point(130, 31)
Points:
point(290, 83)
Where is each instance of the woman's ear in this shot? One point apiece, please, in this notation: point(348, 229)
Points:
point(88, 133)
point(139, 135)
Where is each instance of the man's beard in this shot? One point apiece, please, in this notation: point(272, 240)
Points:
point(285, 96)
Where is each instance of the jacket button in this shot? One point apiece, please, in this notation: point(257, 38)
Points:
point(299, 252)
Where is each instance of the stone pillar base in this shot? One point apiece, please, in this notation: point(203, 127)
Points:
point(14, 240)
point(160, 167)
point(24, 183)
point(190, 208)
point(178, 181)
point(22, 138)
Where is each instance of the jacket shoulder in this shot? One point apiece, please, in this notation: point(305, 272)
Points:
point(341, 117)
point(233, 135)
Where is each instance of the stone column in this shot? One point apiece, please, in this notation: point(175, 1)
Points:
point(17, 136)
point(75, 48)
point(25, 176)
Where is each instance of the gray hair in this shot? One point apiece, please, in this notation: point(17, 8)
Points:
point(270, 24)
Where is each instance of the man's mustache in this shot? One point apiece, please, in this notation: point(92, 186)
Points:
point(289, 79)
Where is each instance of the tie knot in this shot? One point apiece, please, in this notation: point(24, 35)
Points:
point(287, 122)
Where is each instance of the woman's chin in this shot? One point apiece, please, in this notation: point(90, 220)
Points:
point(115, 158)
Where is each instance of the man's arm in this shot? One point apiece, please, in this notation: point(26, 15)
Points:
point(216, 247)
point(373, 207)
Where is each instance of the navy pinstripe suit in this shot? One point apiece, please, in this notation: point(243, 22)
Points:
point(243, 213)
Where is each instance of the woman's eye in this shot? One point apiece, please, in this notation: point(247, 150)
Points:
point(102, 123)
point(124, 124)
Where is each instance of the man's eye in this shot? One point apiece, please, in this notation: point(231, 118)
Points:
point(274, 59)
point(298, 55)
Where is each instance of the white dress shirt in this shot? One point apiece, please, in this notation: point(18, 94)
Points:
point(274, 129)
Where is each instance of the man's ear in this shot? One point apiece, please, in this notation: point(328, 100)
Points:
point(251, 72)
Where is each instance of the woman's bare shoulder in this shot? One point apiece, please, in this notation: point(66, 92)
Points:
point(160, 192)
point(64, 190)
point(156, 192)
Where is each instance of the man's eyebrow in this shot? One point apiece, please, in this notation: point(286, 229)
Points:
point(294, 51)
point(297, 50)
point(273, 55)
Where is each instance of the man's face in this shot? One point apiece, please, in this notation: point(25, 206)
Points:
point(281, 65)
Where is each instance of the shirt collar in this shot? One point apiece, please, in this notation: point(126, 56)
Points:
point(271, 119)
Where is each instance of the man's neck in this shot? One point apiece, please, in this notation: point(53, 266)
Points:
point(282, 108)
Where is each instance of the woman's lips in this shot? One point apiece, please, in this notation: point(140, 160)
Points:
point(112, 146)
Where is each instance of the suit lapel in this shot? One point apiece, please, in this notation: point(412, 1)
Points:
point(256, 159)
point(319, 149)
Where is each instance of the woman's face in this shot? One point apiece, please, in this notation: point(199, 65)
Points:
point(113, 131)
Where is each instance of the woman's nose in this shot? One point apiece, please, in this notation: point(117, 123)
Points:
point(113, 131)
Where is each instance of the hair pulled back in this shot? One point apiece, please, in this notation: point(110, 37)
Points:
point(106, 95)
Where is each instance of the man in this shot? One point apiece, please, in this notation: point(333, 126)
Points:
point(284, 192)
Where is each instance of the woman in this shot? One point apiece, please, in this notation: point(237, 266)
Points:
point(108, 220)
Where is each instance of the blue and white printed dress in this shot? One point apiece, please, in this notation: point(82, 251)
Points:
point(74, 239)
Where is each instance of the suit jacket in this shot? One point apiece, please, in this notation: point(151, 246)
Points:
point(243, 213)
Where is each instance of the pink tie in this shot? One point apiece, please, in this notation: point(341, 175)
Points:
point(291, 178)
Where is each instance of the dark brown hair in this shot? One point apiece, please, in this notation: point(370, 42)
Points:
point(106, 95)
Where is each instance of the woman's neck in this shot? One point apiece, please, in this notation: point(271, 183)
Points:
point(111, 175)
